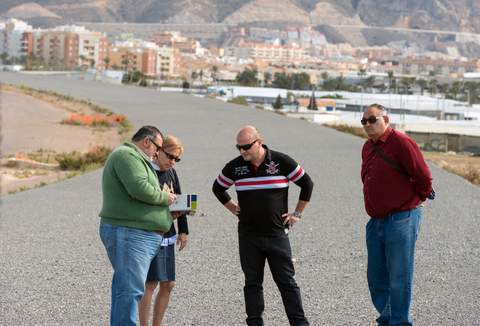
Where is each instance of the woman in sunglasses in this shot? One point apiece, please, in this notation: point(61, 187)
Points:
point(162, 268)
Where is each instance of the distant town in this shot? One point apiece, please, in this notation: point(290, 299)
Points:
point(292, 70)
point(172, 57)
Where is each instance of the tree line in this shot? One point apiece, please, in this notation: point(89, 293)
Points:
point(467, 91)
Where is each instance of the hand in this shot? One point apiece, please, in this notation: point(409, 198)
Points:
point(233, 207)
point(176, 215)
point(171, 198)
point(182, 240)
point(290, 219)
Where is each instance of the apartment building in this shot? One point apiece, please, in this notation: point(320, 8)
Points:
point(134, 56)
point(16, 38)
point(56, 48)
point(178, 42)
point(69, 47)
point(436, 67)
point(268, 52)
point(165, 62)
point(92, 50)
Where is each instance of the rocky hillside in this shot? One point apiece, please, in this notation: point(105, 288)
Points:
point(461, 15)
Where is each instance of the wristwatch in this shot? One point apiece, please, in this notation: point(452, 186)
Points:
point(297, 214)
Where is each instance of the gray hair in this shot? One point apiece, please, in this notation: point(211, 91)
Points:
point(379, 107)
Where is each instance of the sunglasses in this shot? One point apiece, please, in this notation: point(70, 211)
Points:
point(170, 156)
point(156, 145)
point(370, 120)
point(247, 146)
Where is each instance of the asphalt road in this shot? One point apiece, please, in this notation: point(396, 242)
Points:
point(54, 271)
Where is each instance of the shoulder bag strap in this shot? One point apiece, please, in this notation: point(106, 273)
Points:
point(389, 161)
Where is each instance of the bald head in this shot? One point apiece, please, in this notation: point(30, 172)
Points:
point(247, 134)
point(249, 143)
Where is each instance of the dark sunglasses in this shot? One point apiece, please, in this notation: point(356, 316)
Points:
point(247, 146)
point(170, 156)
point(156, 145)
point(370, 120)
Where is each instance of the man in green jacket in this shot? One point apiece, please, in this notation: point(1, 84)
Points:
point(134, 216)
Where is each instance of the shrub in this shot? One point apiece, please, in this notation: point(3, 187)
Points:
point(356, 131)
point(239, 100)
point(78, 161)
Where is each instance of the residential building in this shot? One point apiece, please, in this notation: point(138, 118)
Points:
point(178, 42)
point(69, 47)
point(165, 62)
point(268, 52)
point(436, 67)
point(134, 56)
point(56, 48)
point(16, 38)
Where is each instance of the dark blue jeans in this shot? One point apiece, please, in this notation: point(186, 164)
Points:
point(254, 250)
point(391, 251)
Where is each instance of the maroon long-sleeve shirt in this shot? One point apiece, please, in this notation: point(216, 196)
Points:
point(385, 189)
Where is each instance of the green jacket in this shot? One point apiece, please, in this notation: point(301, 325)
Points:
point(131, 192)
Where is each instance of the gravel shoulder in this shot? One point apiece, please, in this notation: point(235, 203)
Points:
point(54, 269)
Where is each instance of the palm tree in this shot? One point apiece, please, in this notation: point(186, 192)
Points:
point(267, 77)
point(391, 81)
point(423, 84)
point(407, 83)
point(362, 72)
point(4, 57)
point(432, 86)
point(368, 82)
point(473, 89)
point(107, 62)
point(214, 73)
point(82, 59)
point(312, 105)
point(194, 75)
point(455, 89)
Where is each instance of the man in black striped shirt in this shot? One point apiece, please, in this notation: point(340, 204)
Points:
point(261, 178)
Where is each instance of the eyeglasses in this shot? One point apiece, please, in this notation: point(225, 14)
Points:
point(246, 147)
point(156, 145)
point(370, 120)
point(170, 156)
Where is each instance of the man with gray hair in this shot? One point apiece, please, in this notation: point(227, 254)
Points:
point(396, 180)
point(261, 178)
point(134, 217)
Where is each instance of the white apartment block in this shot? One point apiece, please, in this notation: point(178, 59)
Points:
point(165, 61)
point(268, 52)
point(13, 38)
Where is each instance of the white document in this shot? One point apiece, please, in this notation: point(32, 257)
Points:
point(184, 202)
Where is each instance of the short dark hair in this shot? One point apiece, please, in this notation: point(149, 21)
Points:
point(146, 132)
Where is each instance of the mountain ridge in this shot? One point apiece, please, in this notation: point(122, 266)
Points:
point(452, 15)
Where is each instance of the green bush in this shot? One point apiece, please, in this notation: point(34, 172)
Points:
point(239, 100)
point(78, 161)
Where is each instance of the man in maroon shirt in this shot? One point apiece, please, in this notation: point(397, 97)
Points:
point(396, 180)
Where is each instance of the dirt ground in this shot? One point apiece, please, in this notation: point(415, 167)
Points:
point(30, 125)
point(466, 166)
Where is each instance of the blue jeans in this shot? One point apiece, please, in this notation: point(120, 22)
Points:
point(391, 252)
point(130, 252)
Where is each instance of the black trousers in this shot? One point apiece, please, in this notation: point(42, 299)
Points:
point(254, 250)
